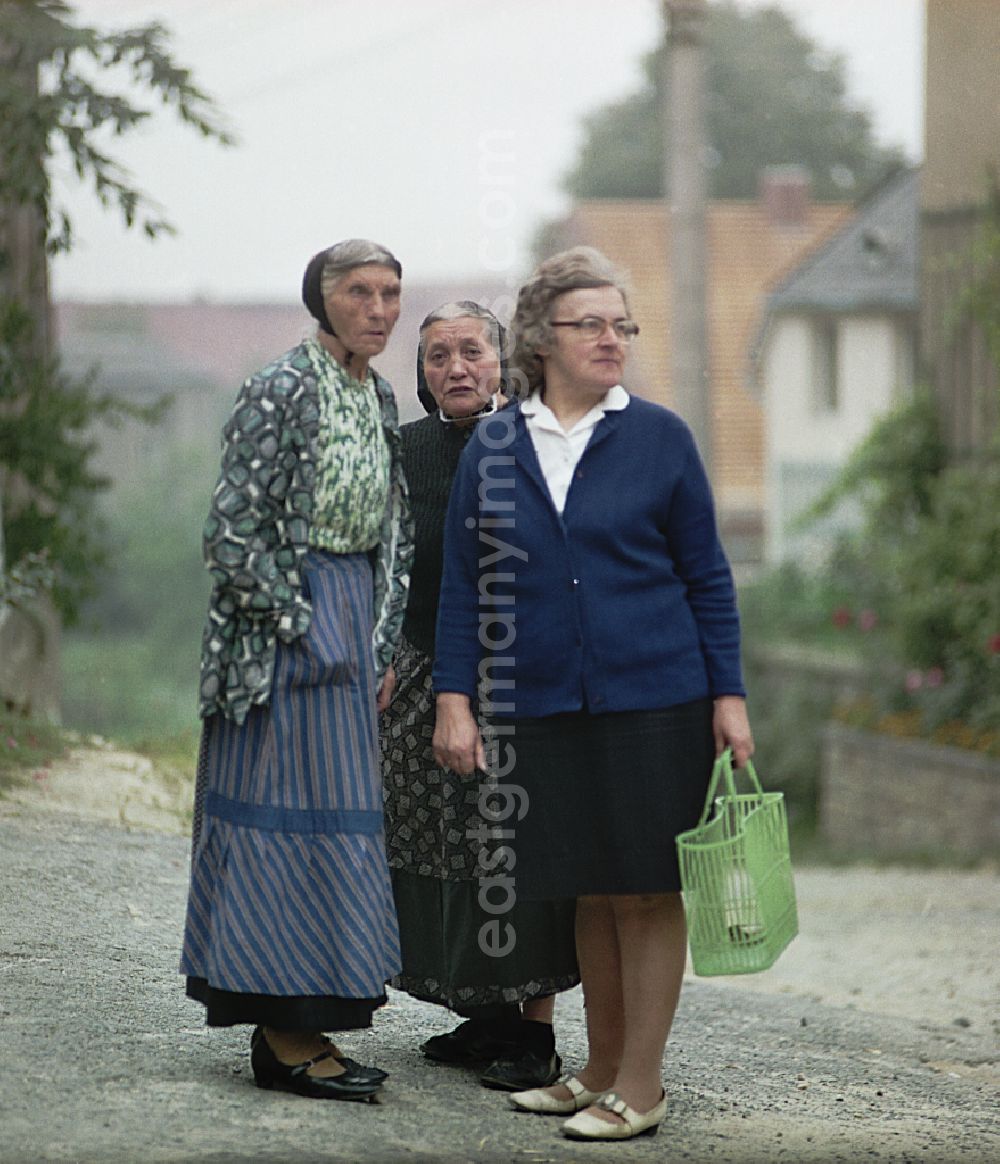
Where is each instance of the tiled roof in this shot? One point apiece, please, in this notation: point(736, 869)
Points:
point(869, 264)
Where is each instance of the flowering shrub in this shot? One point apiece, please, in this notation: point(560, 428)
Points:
point(916, 590)
point(946, 590)
point(913, 595)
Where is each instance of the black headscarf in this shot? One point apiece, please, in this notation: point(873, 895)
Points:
point(498, 337)
point(312, 295)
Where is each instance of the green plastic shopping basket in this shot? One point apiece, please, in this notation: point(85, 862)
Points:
point(736, 876)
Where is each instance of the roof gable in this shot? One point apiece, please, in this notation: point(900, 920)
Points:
point(869, 264)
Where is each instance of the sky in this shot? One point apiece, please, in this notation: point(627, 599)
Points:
point(441, 128)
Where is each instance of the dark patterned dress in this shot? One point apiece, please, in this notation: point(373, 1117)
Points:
point(434, 826)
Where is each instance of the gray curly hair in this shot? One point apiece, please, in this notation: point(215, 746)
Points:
point(572, 270)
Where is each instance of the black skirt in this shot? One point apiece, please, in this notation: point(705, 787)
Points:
point(225, 1008)
point(446, 900)
point(605, 797)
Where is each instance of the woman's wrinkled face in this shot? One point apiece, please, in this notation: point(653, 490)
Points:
point(363, 306)
point(461, 366)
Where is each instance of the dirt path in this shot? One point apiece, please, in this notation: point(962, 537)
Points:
point(917, 944)
point(99, 782)
point(875, 1035)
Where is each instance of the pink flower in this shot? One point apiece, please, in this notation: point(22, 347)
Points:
point(867, 620)
point(993, 644)
point(914, 680)
point(934, 677)
point(11, 742)
point(842, 617)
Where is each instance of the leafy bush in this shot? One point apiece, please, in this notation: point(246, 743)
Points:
point(788, 712)
point(914, 592)
point(947, 619)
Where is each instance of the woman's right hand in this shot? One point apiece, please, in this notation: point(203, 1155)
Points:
point(457, 743)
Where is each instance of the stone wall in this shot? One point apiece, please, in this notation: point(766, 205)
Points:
point(30, 673)
point(891, 797)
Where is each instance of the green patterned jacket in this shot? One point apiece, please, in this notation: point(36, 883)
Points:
point(258, 528)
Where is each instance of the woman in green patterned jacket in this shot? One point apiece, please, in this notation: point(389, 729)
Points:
point(290, 923)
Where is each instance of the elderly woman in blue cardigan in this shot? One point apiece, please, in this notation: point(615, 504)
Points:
point(584, 579)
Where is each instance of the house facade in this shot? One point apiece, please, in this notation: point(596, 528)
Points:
point(961, 176)
point(836, 351)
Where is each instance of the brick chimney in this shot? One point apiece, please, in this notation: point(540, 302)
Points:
point(783, 191)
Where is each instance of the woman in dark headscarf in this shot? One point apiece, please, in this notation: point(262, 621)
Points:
point(290, 922)
point(496, 962)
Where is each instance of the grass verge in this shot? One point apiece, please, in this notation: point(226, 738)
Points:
point(28, 749)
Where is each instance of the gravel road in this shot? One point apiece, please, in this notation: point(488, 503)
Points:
point(875, 1036)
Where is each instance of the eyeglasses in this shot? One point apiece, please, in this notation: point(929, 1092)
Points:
point(591, 327)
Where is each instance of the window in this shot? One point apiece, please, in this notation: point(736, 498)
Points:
point(904, 363)
point(825, 396)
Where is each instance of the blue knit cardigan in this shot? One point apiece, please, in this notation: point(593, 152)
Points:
point(624, 602)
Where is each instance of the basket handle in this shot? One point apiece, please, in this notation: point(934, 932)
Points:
point(723, 769)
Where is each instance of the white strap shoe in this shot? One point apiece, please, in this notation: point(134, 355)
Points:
point(585, 1126)
point(540, 1100)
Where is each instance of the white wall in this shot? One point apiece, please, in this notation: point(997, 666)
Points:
point(807, 445)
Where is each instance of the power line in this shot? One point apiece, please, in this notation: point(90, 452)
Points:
point(358, 55)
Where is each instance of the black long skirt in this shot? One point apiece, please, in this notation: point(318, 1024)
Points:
point(605, 797)
point(468, 942)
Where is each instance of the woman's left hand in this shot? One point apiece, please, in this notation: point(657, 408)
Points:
point(384, 697)
point(731, 727)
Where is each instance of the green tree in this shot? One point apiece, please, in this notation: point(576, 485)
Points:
point(773, 98)
point(58, 97)
point(46, 444)
point(72, 110)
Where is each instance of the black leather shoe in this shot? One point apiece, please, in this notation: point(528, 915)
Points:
point(472, 1044)
point(270, 1073)
point(376, 1074)
point(523, 1072)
